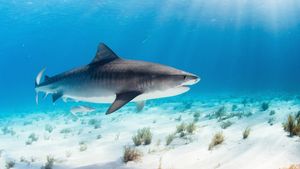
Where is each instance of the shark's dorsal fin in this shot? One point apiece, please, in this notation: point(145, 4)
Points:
point(104, 53)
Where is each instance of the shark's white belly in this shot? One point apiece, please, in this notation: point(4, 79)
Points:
point(146, 96)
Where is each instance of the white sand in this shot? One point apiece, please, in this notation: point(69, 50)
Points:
point(268, 147)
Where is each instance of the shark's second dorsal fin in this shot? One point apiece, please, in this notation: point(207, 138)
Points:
point(104, 53)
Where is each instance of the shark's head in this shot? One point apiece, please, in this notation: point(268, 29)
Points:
point(169, 77)
point(181, 79)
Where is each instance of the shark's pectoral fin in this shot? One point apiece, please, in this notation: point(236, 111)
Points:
point(56, 96)
point(140, 105)
point(121, 100)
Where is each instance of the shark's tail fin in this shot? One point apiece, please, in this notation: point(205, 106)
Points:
point(37, 82)
point(39, 77)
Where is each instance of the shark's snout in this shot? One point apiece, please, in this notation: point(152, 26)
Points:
point(190, 79)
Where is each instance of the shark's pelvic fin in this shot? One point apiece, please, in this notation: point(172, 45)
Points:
point(140, 105)
point(104, 53)
point(121, 100)
point(39, 77)
point(56, 96)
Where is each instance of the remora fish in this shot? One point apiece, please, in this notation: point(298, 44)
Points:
point(81, 109)
point(111, 79)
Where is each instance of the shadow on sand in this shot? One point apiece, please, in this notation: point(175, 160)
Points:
point(110, 165)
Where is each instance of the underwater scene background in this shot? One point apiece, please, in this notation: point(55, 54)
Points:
point(244, 113)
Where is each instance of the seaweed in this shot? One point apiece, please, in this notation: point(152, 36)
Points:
point(6, 130)
point(271, 121)
point(99, 136)
point(131, 154)
point(246, 133)
point(292, 125)
point(217, 139)
point(82, 146)
point(184, 129)
point(65, 131)
point(169, 139)
point(49, 163)
point(181, 128)
point(272, 112)
point(265, 106)
point(196, 116)
point(220, 112)
point(95, 123)
point(10, 164)
point(48, 128)
point(32, 138)
point(23, 160)
point(143, 136)
point(182, 134)
point(298, 115)
point(226, 124)
point(191, 128)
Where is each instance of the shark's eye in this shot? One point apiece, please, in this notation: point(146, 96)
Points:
point(185, 77)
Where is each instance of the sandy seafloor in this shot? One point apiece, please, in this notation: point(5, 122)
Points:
point(267, 147)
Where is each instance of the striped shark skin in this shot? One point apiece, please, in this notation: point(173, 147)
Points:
point(109, 78)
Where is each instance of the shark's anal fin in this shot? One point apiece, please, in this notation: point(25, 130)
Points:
point(56, 96)
point(121, 100)
point(140, 105)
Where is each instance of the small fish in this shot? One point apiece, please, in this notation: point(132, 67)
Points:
point(81, 110)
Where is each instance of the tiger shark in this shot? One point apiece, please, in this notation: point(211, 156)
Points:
point(109, 78)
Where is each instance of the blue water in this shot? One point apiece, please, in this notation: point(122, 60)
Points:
point(232, 45)
point(247, 53)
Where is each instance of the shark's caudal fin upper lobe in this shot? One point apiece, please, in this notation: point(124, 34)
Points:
point(39, 77)
point(37, 82)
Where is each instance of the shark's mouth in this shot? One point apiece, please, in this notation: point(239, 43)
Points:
point(190, 82)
